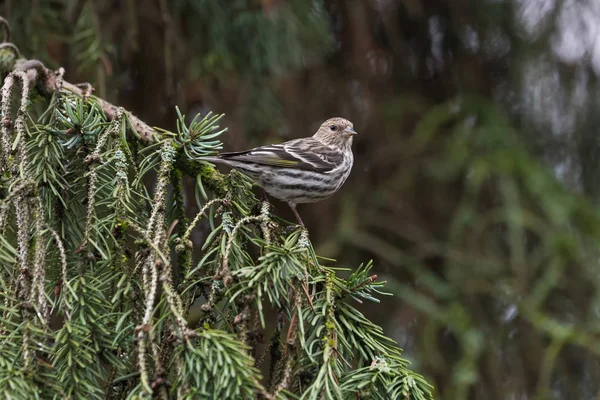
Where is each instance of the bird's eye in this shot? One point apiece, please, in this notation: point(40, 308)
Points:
point(333, 127)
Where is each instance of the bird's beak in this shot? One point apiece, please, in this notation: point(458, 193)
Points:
point(349, 132)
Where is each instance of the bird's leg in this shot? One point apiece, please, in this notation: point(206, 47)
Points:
point(264, 196)
point(257, 208)
point(293, 207)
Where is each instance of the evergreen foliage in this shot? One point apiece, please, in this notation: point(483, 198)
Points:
point(286, 36)
point(99, 269)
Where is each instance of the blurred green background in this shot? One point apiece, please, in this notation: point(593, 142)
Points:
point(475, 185)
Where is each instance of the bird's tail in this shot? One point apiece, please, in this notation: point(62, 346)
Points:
point(224, 158)
point(213, 159)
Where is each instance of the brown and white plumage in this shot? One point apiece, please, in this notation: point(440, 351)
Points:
point(301, 170)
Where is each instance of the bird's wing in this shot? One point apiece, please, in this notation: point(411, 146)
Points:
point(307, 154)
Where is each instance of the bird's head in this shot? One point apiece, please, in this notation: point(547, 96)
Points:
point(337, 132)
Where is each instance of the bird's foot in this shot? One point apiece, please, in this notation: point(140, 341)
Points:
point(294, 228)
point(263, 196)
point(262, 207)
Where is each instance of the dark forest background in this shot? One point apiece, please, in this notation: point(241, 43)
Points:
point(475, 184)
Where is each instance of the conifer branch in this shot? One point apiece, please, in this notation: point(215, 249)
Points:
point(49, 82)
point(75, 208)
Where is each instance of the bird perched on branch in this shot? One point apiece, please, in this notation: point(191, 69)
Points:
point(303, 170)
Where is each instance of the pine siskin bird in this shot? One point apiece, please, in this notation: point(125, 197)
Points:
point(303, 170)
